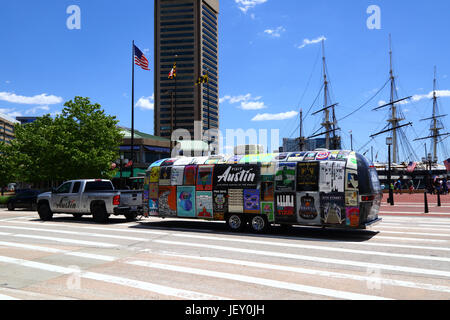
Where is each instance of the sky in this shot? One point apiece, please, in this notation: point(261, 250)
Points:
point(269, 63)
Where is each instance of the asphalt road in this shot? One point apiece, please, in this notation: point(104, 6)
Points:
point(405, 257)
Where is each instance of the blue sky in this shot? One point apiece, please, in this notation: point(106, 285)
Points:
point(269, 61)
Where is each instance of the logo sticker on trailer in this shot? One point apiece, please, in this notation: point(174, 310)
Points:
point(308, 207)
point(285, 203)
point(308, 176)
point(204, 205)
point(186, 201)
point(236, 176)
point(252, 201)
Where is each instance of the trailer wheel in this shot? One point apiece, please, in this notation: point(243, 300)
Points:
point(44, 211)
point(99, 213)
point(236, 222)
point(259, 224)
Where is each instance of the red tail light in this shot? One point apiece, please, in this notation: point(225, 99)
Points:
point(116, 200)
point(367, 198)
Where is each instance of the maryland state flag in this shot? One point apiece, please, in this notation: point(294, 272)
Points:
point(203, 79)
point(173, 72)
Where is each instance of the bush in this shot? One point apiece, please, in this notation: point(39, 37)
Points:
point(4, 199)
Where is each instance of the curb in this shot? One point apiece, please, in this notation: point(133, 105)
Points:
point(428, 215)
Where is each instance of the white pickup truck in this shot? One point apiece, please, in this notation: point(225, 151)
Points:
point(90, 197)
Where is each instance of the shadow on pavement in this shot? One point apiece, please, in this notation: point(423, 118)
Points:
point(276, 232)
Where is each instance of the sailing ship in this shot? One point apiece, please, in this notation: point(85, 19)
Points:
point(404, 156)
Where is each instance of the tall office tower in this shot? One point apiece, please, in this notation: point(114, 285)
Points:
point(186, 33)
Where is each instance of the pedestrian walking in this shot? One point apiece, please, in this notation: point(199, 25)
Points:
point(398, 187)
point(437, 186)
point(411, 187)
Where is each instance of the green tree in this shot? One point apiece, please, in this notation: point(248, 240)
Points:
point(80, 143)
point(7, 166)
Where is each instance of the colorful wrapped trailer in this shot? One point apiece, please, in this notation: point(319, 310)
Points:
point(320, 188)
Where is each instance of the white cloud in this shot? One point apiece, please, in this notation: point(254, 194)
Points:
point(34, 110)
point(245, 5)
point(275, 117)
point(247, 102)
point(276, 33)
point(237, 99)
point(7, 82)
point(11, 113)
point(253, 105)
point(146, 103)
point(41, 99)
point(307, 42)
point(419, 97)
point(439, 94)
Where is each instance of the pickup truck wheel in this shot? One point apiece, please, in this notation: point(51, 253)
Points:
point(130, 216)
point(100, 215)
point(10, 207)
point(44, 212)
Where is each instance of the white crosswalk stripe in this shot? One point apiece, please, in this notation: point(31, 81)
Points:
point(5, 297)
point(98, 235)
point(314, 259)
point(260, 281)
point(301, 246)
point(184, 294)
point(413, 255)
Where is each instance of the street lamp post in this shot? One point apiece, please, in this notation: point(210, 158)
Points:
point(424, 161)
point(351, 139)
point(391, 193)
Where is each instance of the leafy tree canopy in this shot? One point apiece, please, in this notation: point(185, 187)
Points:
point(80, 143)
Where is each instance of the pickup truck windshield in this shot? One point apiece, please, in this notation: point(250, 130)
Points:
point(98, 186)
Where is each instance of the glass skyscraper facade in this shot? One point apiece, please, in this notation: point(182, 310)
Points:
point(186, 33)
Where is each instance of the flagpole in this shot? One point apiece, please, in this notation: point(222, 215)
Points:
point(132, 113)
point(175, 111)
point(209, 125)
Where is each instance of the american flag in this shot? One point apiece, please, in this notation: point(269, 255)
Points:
point(140, 59)
point(411, 167)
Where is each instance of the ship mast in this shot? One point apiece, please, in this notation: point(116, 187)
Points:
point(394, 119)
point(435, 130)
point(331, 140)
point(301, 139)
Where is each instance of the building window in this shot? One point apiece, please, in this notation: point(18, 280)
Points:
point(177, 35)
point(177, 17)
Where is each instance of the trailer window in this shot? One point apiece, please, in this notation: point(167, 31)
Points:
point(365, 184)
point(375, 180)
